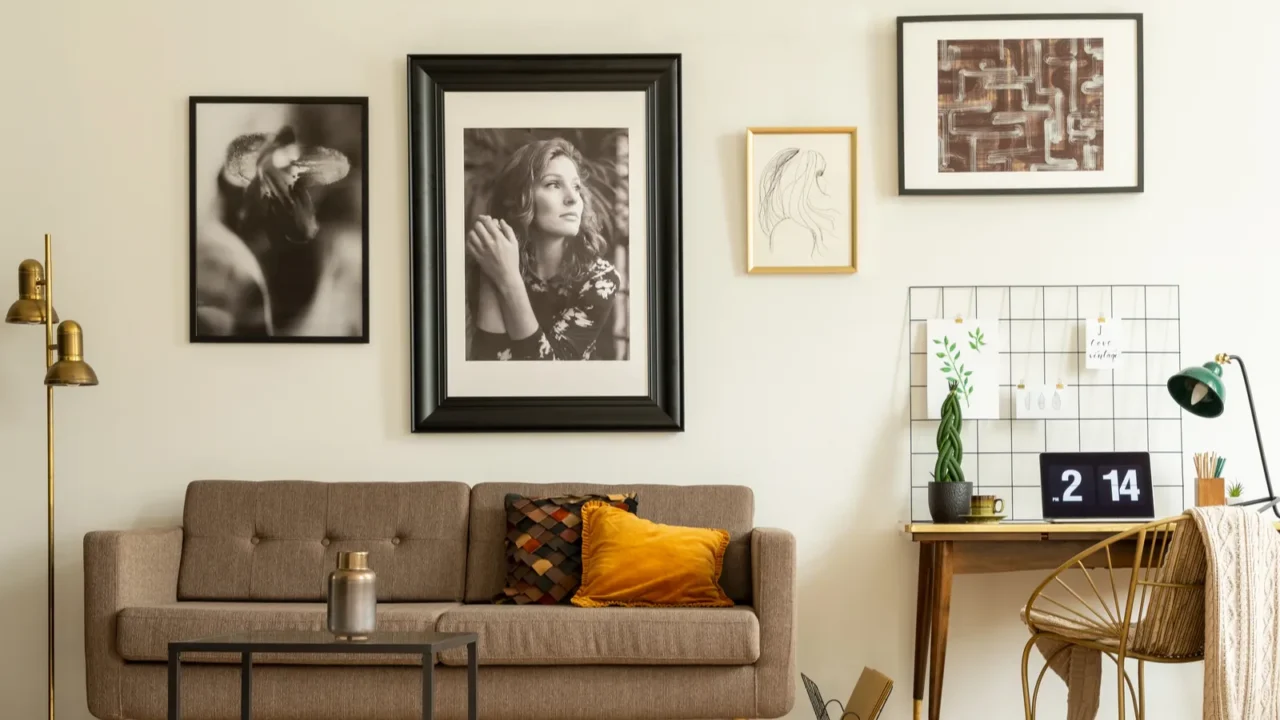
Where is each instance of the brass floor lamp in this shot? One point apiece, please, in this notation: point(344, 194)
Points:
point(34, 306)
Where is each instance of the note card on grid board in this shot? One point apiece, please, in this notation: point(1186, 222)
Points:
point(967, 353)
point(1041, 402)
point(1102, 345)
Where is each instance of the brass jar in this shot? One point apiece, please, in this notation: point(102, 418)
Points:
point(353, 599)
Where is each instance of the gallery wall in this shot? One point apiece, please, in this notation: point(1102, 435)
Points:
point(795, 385)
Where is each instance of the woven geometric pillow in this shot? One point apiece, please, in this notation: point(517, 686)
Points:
point(544, 546)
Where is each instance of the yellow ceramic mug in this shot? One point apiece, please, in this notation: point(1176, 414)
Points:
point(986, 505)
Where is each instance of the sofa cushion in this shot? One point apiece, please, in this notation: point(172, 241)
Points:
point(730, 507)
point(544, 546)
point(568, 635)
point(143, 633)
point(278, 540)
point(632, 562)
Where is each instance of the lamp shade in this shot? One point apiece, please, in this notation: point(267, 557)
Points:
point(70, 369)
point(1199, 390)
point(28, 309)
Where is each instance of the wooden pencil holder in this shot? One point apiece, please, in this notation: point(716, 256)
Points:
point(1210, 492)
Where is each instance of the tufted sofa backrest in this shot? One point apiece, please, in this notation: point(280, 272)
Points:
point(278, 540)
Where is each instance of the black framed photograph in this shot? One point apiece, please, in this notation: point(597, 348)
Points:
point(545, 233)
point(1020, 104)
point(279, 219)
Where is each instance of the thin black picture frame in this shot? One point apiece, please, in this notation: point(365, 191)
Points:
point(193, 104)
point(430, 79)
point(1138, 187)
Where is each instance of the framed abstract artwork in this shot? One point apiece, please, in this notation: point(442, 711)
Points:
point(545, 242)
point(802, 200)
point(279, 225)
point(1020, 104)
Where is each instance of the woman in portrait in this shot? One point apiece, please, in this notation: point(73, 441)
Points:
point(546, 291)
point(794, 205)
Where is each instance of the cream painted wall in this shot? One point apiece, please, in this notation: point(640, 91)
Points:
point(795, 384)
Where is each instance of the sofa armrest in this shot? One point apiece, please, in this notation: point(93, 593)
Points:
point(121, 569)
point(773, 591)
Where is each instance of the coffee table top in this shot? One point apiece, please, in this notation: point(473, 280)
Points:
point(322, 641)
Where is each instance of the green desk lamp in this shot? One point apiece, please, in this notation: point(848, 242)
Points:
point(1200, 391)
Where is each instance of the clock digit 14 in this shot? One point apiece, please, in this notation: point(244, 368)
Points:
point(1127, 487)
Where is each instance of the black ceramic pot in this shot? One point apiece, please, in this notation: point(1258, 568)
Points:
point(949, 501)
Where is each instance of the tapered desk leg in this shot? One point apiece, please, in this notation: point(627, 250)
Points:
point(428, 686)
point(473, 682)
point(942, 571)
point(175, 677)
point(246, 686)
point(924, 612)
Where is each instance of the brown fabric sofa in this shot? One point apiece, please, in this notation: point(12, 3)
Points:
point(255, 555)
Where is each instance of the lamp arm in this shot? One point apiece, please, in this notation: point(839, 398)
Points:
point(1262, 452)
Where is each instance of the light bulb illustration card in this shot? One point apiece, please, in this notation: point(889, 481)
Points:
point(1040, 402)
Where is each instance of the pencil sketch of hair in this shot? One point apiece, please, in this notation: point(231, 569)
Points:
point(791, 188)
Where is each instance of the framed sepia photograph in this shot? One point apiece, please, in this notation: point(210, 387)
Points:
point(545, 231)
point(279, 219)
point(802, 200)
point(1020, 104)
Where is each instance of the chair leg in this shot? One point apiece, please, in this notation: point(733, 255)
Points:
point(1142, 690)
point(1121, 677)
point(1026, 685)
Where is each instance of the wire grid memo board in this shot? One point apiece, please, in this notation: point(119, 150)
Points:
point(1042, 341)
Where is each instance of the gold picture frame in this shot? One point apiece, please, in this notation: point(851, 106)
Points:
point(804, 171)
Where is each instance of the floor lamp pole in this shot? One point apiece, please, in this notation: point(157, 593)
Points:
point(49, 346)
point(64, 367)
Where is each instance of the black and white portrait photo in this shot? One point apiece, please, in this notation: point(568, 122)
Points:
point(279, 230)
point(546, 243)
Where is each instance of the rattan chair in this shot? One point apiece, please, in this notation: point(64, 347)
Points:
point(1138, 595)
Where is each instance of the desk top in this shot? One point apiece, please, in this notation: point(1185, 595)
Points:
point(1014, 530)
point(1018, 527)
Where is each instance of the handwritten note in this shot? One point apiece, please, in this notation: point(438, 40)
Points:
point(1102, 351)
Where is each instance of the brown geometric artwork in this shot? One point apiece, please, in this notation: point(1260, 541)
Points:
point(1019, 105)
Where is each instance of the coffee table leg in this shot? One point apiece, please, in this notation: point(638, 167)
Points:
point(175, 707)
point(428, 686)
point(246, 686)
point(473, 682)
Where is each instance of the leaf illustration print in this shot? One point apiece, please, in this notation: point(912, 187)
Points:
point(953, 369)
point(977, 340)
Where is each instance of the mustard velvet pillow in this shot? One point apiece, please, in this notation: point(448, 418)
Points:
point(633, 562)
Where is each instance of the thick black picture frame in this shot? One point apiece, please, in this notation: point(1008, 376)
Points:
point(363, 102)
point(431, 78)
point(902, 170)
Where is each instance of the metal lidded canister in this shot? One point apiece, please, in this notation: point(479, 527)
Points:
point(353, 599)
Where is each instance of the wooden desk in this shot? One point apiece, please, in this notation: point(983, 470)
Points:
point(948, 550)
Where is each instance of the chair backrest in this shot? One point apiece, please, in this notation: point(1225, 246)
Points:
point(1141, 590)
point(278, 540)
point(1169, 592)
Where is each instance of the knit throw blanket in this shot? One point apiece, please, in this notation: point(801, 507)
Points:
point(1237, 552)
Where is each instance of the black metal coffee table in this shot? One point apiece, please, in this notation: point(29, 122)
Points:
point(426, 644)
